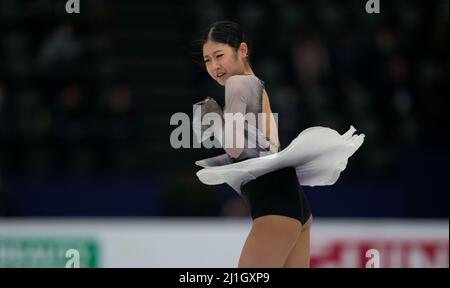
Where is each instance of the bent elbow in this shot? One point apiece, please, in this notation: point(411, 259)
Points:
point(234, 152)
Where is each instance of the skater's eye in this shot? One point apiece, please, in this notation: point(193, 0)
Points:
point(218, 56)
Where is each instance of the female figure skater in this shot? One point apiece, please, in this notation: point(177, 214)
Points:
point(280, 233)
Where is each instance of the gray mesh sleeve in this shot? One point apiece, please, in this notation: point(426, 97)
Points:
point(237, 94)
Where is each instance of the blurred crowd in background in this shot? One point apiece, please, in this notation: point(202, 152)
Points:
point(86, 101)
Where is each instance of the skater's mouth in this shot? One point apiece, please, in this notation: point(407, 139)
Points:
point(220, 75)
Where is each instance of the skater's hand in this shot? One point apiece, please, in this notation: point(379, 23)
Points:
point(209, 105)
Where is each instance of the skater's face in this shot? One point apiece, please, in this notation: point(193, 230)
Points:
point(223, 61)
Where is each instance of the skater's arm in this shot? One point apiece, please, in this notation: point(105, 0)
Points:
point(237, 94)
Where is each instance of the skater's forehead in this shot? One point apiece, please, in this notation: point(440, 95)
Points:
point(211, 47)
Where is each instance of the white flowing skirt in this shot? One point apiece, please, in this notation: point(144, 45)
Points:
point(319, 155)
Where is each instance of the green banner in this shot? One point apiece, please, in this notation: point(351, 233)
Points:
point(49, 252)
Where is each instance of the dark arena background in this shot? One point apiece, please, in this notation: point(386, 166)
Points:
point(86, 163)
